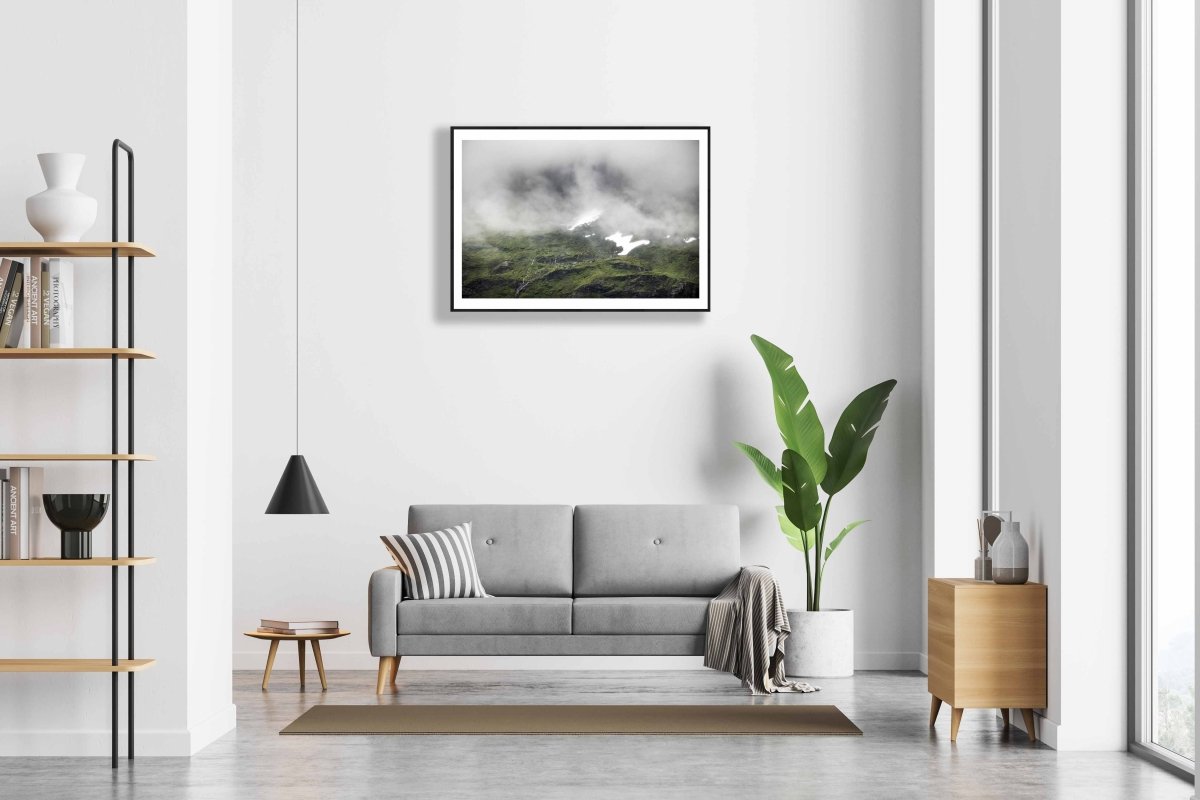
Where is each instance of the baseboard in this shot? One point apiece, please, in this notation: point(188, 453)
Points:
point(886, 661)
point(255, 660)
point(151, 743)
point(361, 660)
point(1047, 728)
point(923, 663)
point(1079, 739)
point(211, 729)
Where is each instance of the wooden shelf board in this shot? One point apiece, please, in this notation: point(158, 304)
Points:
point(74, 664)
point(5, 457)
point(126, 561)
point(74, 249)
point(78, 353)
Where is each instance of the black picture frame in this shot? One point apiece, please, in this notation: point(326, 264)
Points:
point(703, 303)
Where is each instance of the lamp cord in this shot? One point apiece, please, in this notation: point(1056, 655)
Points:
point(297, 227)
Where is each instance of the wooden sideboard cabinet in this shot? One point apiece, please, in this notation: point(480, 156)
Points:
point(987, 648)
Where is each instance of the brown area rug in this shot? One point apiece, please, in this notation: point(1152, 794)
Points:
point(739, 720)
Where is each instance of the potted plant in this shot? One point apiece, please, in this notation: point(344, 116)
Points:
point(822, 640)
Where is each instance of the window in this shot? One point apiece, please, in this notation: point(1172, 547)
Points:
point(1164, 408)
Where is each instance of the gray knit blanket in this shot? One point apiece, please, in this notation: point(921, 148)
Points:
point(747, 630)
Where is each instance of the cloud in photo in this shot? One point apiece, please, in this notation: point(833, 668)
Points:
point(644, 189)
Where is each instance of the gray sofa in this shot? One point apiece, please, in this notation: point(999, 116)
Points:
point(588, 580)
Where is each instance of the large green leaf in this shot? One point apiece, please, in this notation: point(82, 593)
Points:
point(801, 540)
point(838, 539)
point(766, 467)
point(853, 435)
point(801, 502)
point(795, 414)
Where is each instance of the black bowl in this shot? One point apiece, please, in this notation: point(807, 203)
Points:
point(75, 512)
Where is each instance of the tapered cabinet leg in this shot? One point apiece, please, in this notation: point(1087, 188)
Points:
point(385, 671)
point(955, 719)
point(270, 663)
point(1004, 713)
point(935, 705)
point(300, 650)
point(316, 646)
point(1027, 714)
point(395, 669)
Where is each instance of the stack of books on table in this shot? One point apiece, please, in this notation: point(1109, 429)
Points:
point(298, 627)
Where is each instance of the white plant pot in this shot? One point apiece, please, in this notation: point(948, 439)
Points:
point(61, 213)
point(821, 644)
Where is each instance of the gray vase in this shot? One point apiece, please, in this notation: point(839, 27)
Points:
point(1010, 555)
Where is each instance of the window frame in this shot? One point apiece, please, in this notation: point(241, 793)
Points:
point(1141, 423)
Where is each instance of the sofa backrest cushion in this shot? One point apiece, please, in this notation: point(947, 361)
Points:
point(655, 550)
point(521, 551)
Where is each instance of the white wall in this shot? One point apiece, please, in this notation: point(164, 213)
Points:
point(815, 113)
point(92, 84)
point(1062, 371)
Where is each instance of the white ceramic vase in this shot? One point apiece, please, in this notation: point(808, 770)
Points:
point(821, 644)
point(61, 213)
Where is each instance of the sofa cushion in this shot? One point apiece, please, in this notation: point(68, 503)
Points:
point(485, 615)
point(535, 645)
point(639, 615)
point(519, 550)
point(437, 564)
point(654, 550)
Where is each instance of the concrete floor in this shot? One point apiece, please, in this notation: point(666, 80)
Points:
point(898, 756)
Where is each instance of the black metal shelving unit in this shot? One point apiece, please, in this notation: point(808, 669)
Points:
point(116, 249)
point(117, 148)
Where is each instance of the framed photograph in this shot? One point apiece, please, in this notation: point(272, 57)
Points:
point(579, 219)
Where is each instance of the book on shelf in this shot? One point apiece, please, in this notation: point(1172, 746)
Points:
point(6, 272)
point(10, 301)
point(294, 626)
point(31, 332)
point(46, 297)
point(44, 541)
point(18, 318)
point(4, 489)
point(23, 514)
point(12, 517)
point(61, 321)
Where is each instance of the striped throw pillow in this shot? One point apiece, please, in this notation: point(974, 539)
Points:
point(437, 565)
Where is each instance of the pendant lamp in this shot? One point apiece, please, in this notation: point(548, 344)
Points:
point(297, 491)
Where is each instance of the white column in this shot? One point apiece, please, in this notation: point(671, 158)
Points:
point(1061, 389)
point(210, 712)
point(952, 273)
point(1094, 275)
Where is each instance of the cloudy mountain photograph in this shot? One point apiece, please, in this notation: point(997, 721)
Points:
point(605, 221)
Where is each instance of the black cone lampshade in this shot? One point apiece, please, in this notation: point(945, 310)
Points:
point(297, 492)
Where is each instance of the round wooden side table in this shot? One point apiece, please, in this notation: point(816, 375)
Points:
point(299, 639)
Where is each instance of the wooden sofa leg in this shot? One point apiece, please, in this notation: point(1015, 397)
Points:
point(395, 669)
point(387, 670)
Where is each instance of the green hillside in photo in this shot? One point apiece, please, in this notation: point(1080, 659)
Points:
point(578, 263)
